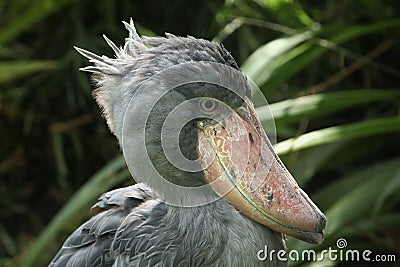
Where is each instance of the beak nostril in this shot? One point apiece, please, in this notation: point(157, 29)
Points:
point(321, 222)
point(251, 138)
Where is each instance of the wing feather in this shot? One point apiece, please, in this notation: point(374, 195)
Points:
point(91, 243)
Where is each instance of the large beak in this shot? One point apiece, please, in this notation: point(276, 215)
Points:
point(247, 173)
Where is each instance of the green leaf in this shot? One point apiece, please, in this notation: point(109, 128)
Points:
point(360, 198)
point(261, 63)
point(339, 133)
point(228, 30)
point(350, 198)
point(35, 12)
point(390, 188)
point(322, 104)
point(13, 70)
point(307, 52)
point(327, 196)
point(308, 162)
point(62, 166)
point(370, 225)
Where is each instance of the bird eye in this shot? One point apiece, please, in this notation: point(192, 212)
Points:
point(208, 105)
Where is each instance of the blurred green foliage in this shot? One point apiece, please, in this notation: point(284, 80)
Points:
point(329, 68)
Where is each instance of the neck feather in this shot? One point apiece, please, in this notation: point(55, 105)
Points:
point(218, 229)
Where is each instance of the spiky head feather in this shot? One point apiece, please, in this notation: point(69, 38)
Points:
point(140, 58)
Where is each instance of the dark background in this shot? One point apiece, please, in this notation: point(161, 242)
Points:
point(54, 140)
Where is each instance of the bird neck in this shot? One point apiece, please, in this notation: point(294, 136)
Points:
point(228, 237)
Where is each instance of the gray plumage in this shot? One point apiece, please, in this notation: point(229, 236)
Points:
point(135, 228)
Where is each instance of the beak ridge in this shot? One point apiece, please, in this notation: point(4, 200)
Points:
point(248, 174)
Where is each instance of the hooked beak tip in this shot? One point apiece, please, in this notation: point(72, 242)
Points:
point(316, 237)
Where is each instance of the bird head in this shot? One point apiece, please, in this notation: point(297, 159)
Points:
point(182, 112)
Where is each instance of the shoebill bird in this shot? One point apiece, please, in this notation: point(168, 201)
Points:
point(152, 224)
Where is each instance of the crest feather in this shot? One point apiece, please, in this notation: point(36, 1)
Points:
point(133, 47)
point(117, 78)
point(109, 71)
point(113, 46)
